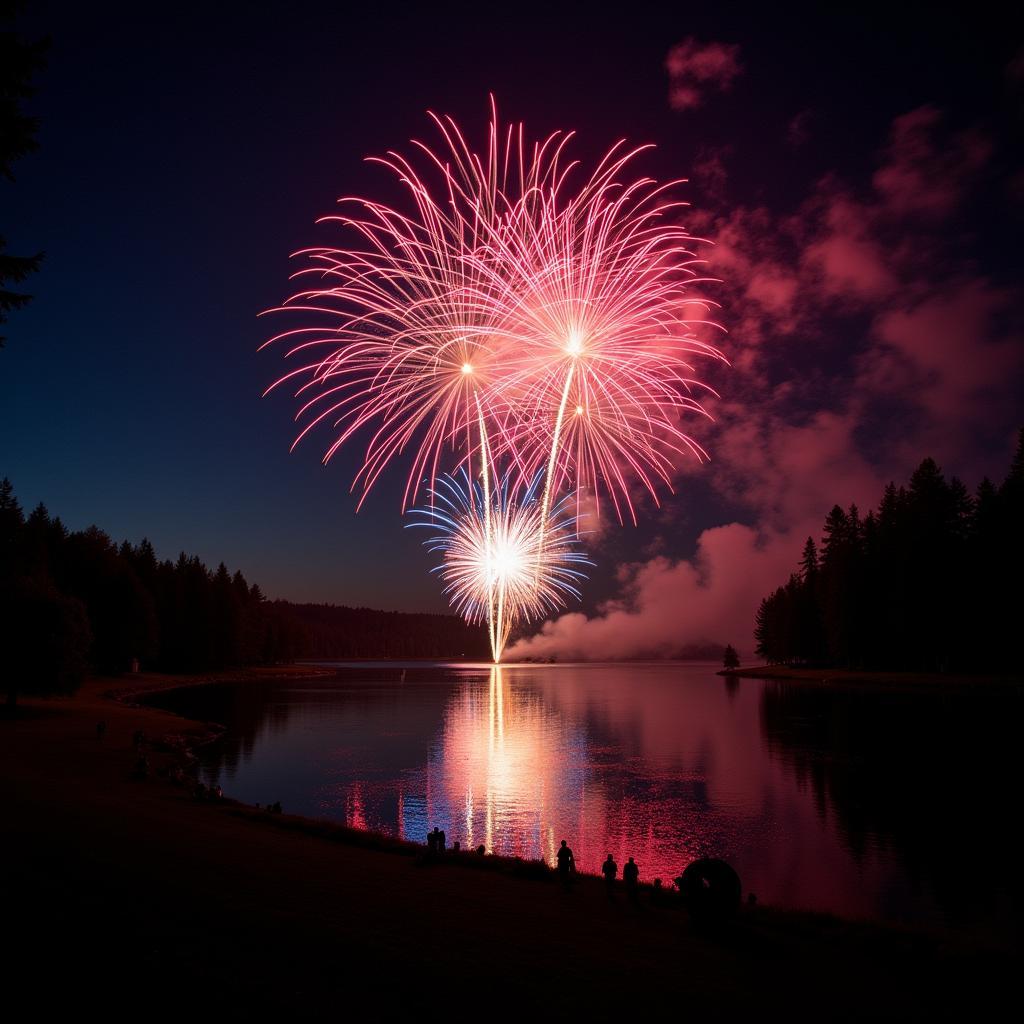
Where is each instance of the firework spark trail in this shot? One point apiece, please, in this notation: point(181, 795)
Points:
point(498, 561)
point(592, 295)
point(467, 330)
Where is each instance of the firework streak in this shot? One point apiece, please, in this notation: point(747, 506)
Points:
point(528, 344)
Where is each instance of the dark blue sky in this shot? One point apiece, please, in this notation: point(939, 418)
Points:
point(184, 155)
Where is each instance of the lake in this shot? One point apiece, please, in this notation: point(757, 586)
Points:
point(897, 805)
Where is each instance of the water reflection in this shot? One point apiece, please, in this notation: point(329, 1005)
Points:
point(506, 767)
point(863, 802)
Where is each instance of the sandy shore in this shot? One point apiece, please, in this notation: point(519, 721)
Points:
point(131, 897)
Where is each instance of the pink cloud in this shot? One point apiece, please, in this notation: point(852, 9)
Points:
point(793, 472)
point(857, 300)
point(695, 69)
point(709, 172)
point(773, 289)
point(848, 260)
point(924, 175)
point(952, 353)
point(667, 604)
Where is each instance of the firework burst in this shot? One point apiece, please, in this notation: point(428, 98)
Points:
point(505, 324)
point(497, 565)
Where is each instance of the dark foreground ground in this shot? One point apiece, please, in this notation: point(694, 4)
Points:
point(129, 899)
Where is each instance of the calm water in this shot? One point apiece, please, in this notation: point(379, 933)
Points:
point(901, 806)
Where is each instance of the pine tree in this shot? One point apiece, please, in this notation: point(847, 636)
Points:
point(11, 521)
point(808, 610)
point(809, 561)
point(762, 630)
point(730, 659)
point(918, 585)
point(835, 567)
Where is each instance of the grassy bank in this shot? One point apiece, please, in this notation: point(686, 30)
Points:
point(134, 894)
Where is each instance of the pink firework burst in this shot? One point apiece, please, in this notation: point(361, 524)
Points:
point(506, 316)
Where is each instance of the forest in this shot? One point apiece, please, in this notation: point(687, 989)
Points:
point(928, 581)
point(75, 601)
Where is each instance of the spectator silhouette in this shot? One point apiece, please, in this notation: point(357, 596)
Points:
point(435, 841)
point(566, 863)
point(631, 878)
point(609, 869)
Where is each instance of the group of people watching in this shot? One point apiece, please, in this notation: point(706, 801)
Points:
point(566, 861)
point(436, 844)
point(630, 872)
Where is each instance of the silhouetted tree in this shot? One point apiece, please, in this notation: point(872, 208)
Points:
point(178, 616)
point(730, 659)
point(915, 585)
point(45, 639)
point(11, 521)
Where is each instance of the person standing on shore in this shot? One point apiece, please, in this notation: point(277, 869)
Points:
point(631, 878)
point(609, 869)
point(566, 864)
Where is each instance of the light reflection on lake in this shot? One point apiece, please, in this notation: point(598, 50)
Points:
point(857, 801)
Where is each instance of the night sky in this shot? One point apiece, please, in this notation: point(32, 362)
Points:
point(861, 173)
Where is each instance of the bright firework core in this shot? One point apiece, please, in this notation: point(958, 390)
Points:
point(499, 565)
point(465, 329)
point(508, 563)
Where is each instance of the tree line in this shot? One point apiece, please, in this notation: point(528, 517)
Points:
point(928, 581)
point(336, 632)
point(75, 601)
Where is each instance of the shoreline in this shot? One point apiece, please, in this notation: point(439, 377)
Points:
point(208, 893)
point(888, 680)
point(178, 744)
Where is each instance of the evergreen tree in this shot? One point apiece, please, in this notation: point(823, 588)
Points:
point(917, 585)
point(810, 638)
point(837, 548)
point(11, 521)
point(45, 637)
point(730, 659)
point(809, 562)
